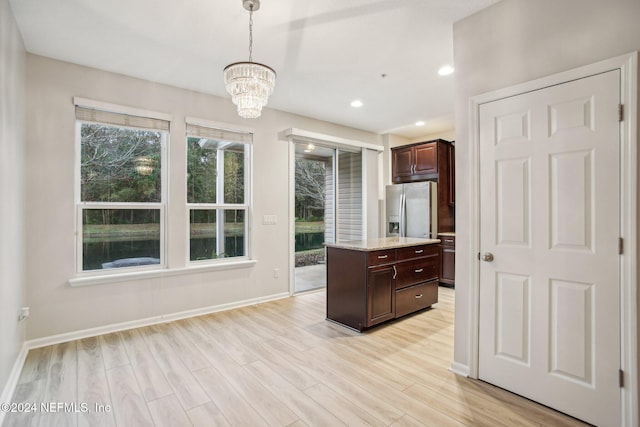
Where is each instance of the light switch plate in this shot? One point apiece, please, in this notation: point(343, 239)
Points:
point(269, 220)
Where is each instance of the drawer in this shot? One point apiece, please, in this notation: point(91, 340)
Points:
point(417, 271)
point(447, 240)
point(381, 257)
point(416, 298)
point(416, 251)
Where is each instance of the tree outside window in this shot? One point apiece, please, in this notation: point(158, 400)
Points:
point(216, 197)
point(120, 196)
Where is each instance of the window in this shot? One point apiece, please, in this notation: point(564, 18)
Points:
point(120, 190)
point(218, 165)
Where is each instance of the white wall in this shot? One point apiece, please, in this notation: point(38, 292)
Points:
point(512, 42)
point(50, 241)
point(12, 282)
point(449, 135)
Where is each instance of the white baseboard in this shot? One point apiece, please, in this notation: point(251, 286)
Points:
point(459, 369)
point(123, 326)
point(12, 381)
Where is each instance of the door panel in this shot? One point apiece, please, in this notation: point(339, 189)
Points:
point(513, 193)
point(572, 311)
point(426, 160)
point(572, 200)
point(402, 159)
point(380, 295)
point(550, 209)
point(512, 317)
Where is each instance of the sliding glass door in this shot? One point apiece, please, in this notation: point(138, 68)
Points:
point(328, 206)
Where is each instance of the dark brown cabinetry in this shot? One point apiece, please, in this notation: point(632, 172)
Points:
point(380, 295)
point(365, 288)
point(402, 164)
point(414, 163)
point(429, 161)
point(448, 257)
point(452, 175)
point(417, 279)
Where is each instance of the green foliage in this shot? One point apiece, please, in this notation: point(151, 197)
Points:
point(234, 177)
point(202, 173)
point(121, 216)
point(124, 165)
point(111, 160)
point(310, 189)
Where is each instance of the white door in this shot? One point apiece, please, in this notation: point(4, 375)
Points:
point(550, 217)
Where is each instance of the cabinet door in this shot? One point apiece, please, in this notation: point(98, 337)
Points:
point(448, 265)
point(402, 164)
point(380, 295)
point(452, 175)
point(426, 158)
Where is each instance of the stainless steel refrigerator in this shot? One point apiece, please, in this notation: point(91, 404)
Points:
point(411, 210)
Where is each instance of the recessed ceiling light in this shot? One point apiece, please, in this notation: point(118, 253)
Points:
point(445, 70)
point(420, 123)
point(356, 103)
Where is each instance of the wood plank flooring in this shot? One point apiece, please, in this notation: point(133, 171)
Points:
point(275, 364)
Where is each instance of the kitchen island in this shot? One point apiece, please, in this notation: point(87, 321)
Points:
point(370, 282)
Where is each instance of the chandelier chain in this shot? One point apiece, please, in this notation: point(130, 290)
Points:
point(251, 33)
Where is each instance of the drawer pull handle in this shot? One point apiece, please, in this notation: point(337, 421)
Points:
point(383, 256)
point(420, 270)
point(418, 296)
point(448, 241)
point(420, 251)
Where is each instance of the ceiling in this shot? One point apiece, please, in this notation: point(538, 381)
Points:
point(327, 53)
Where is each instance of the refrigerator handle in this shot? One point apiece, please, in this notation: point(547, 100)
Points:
point(402, 215)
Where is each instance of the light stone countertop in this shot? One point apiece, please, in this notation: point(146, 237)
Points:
point(381, 243)
point(448, 234)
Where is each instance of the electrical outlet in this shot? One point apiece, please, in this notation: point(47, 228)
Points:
point(24, 313)
point(276, 273)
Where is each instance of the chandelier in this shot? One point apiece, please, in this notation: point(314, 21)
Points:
point(249, 83)
point(143, 165)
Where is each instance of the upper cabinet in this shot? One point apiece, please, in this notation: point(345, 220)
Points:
point(402, 164)
point(419, 162)
point(426, 159)
point(429, 161)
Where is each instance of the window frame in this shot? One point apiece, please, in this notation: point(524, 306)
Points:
point(81, 206)
point(247, 206)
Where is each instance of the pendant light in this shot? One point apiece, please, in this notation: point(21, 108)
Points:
point(249, 83)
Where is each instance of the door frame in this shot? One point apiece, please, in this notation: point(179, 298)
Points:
point(300, 136)
point(628, 65)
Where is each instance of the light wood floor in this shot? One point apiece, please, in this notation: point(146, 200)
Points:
point(280, 364)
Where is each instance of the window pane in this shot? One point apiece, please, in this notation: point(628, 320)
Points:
point(206, 225)
point(234, 174)
point(115, 238)
point(120, 164)
point(203, 173)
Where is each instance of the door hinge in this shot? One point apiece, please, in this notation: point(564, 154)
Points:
point(621, 378)
point(620, 112)
point(620, 245)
